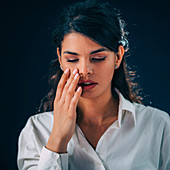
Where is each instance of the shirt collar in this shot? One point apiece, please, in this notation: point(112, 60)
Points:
point(125, 105)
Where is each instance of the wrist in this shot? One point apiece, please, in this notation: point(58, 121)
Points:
point(56, 145)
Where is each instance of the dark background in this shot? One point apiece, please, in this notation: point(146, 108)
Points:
point(26, 50)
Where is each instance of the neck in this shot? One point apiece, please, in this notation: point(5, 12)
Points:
point(97, 111)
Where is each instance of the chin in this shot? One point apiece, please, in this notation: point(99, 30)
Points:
point(90, 94)
point(97, 92)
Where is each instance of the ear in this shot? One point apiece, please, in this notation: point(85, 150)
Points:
point(119, 56)
point(59, 56)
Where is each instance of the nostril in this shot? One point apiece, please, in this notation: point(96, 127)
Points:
point(80, 74)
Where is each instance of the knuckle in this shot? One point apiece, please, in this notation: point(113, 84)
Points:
point(74, 81)
point(59, 86)
point(64, 76)
point(73, 102)
point(57, 104)
point(55, 101)
point(68, 82)
point(62, 80)
point(56, 98)
point(67, 85)
point(69, 92)
point(71, 88)
point(71, 116)
point(72, 76)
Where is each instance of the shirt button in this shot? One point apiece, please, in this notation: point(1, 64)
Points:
point(99, 163)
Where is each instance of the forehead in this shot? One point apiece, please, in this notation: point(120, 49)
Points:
point(77, 42)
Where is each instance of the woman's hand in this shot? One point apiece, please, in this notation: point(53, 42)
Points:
point(65, 105)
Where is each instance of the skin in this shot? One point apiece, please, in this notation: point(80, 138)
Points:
point(97, 107)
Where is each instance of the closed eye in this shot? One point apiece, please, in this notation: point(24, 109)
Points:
point(93, 59)
point(72, 60)
point(98, 59)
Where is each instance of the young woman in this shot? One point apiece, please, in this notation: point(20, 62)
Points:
point(92, 117)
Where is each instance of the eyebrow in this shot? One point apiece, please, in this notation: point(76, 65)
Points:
point(93, 52)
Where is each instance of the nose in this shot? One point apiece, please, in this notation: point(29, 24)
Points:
point(85, 69)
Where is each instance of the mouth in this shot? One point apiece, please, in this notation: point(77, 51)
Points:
point(87, 85)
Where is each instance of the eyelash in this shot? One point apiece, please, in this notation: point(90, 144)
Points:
point(93, 59)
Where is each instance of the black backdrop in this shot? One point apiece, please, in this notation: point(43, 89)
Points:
point(27, 49)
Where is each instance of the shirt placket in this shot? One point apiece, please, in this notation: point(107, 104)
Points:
point(87, 148)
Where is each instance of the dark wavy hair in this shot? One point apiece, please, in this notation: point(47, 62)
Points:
point(102, 23)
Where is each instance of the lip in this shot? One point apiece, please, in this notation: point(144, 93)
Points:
point(87, 81)
point(89, 87)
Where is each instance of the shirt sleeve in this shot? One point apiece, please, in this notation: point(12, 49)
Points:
point(51, 160)
point(165, 148)
point(32, 155)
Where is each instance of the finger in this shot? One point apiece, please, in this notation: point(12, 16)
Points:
point(71, 90)
point(75, 99)
point(67, 85)
point(61, 84)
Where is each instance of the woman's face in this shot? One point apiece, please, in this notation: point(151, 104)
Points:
point(94, 62)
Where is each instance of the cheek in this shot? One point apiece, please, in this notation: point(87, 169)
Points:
point(107, 73)
point(69, 65)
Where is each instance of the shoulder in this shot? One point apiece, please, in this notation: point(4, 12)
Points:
point(151, 114)
point(36, 131)
point(34, 136)
point(39, 121)
point(41, 117)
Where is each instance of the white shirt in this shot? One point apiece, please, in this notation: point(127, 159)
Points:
point(138, 140)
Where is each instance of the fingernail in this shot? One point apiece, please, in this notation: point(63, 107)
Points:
point(79, 88)
point(66, 71)
point(76, 76)
point(74, 71)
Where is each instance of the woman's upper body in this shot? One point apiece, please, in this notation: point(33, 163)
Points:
point(91, 126)
point(139, 139)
